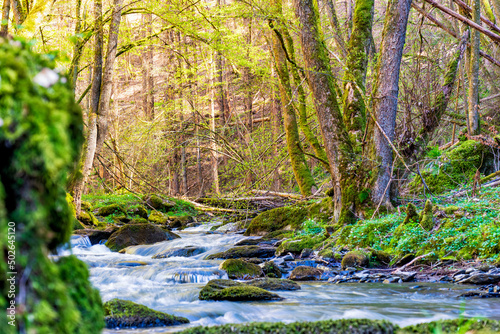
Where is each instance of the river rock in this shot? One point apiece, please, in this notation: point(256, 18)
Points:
point(95, 236)
point(355, 258)
point(306, 252)
point(180, 252)
point(248, 242)
point(303, 273)
point(125, 314)
point(159, 203)
point(220, 289)
point(244, 251)
point(271, 269)
point(131, 263)
point(274, 284)
point(481, 279)
point(238, 269)
point(138, 234)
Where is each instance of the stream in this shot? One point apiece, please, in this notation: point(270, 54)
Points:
point(172, 285)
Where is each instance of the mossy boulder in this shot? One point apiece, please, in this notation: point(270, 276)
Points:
point(88, 219)
point(137, 210)
point(283, 218)
point(179, 221)
point(126, 314)
point(305, 273)
point(378, 257)
point(274, 284)
point(159, 203)
point(342, 326)
point(139, 220)
point(158, 218)
point(137, 234)
point(109, 210)
point(179, 252)
point(296, 246)
point(271, 269)
point(244, 252)
point(238, 269)
point(234, 291)
point(356, 258)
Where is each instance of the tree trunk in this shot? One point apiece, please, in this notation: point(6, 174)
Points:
point(4, 30)
point(300, 168)
point(385, 94)
point(147, 70)
point(213, 140)
point(78, 48)
point(95, 92)
point(474, 127)
point(107, 81)
point(276, 127)
point(319, 74)
point(337, 32)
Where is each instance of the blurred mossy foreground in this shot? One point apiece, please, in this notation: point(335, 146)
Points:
point(40, 141)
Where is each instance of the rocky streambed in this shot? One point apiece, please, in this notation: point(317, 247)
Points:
point(170, 276)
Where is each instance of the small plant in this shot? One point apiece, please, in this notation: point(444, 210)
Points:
point(311, 227)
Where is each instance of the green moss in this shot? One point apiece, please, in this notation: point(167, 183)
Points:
point(344, 326)
point(451, 209)
point(277, 219)
point(462, 325)
point(125, 314)
point(234, 291)
point(326, 253)
point(274, 284)
point(40, 142)
point(355, 258)
point(272, 270)
point(238, 269)
point(158, 218)
point(75, 274)
point(411, 214)
point(243, 252)
point(109, 210)
point(426, 217)
point(296, 245)
point(137, 210)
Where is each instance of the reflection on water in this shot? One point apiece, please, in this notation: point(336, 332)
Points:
point(172, 285)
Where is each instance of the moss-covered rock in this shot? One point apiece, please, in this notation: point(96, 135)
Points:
point(355, 258)
point(40, 142)
point(179, 221)
point(271, 269)
point(244, 252)
point(274, 284)
point(110, 209)
point(158, 218)
point(284, 218)
point(343, 326)
point(139, 220)
point(426, 217)
point(137, 234)
point(305, 273)
point(295, 246)
point(234, 291)
point(125, 314)
point(137, 210)
point(476, 326)
point(88, 219)
point(159, 203)
point(238, 269)
point(378, 257)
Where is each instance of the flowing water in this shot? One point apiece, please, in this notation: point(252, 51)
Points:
point(172, 285)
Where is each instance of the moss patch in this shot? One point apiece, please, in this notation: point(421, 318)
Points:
point(355, 258)
point(234, 291)
point(239, 269)
point(125, 314)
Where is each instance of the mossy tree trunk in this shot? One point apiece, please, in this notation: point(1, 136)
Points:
point(78, 47)
point(299, 166)
point(298, 82)
point(431, 118)
point(385, 95)
point(95, 93)
point(4, 26)
point(321, 83)
point(334, 23)
point(474, 127)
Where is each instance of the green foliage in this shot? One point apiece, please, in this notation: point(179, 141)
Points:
point(433, 152)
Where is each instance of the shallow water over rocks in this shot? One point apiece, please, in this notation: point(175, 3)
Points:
point(172, 285)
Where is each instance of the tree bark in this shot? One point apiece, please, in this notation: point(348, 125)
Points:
point(385, 94)
point(78, 47)
point(148, 101)
point(4, 30)
point(107, 81)
point(300, 168)
point(474, 127)
point(318, 71)
point(276, 126)
point(334, 23)
point(90, 149)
